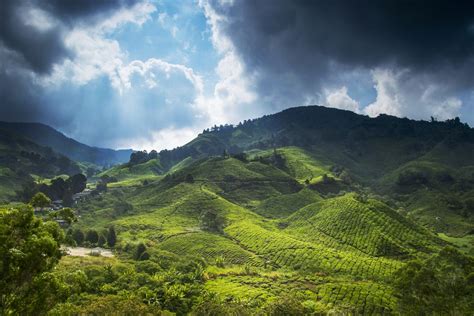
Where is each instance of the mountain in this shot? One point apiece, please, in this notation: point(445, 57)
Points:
point(307, 211)
point(21, 160)
point(424, 169)
point(47, 136)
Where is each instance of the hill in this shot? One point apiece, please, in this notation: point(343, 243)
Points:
point(47, 136)
point(405, 161)
point(263, 234)
point(308, 211)
point(22, 160)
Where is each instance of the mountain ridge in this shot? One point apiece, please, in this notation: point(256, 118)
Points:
point(46, 135)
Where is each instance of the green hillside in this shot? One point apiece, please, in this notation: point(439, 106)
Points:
point(400, 160)
point(271, 234)
point(126, 174)
point(308, 211)
point(22, 161)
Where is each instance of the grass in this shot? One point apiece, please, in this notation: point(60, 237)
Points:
point(142, 171)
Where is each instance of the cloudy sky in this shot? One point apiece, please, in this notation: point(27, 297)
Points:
point(149, 74)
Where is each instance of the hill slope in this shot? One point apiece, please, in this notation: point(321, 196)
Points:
point(311, 210)
point(403, 160)
point(263, 234)
point(21, 159)
point(49, 137)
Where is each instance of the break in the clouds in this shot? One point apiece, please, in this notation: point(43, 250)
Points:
point(151, 74)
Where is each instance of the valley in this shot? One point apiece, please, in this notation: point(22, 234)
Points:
point(308, 211)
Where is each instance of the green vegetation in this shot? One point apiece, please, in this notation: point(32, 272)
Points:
point(29, 249)
point(40, 200)
point(289, 214)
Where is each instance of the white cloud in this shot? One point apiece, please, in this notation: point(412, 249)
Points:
point(233, 97)
point(339, 99)
point(137, 14)
point(402, 93)
point(169, 138)
point(146, 69)
point(94, 53)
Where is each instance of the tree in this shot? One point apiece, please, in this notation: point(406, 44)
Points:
point(29, 248)
point(101, 187)
point(140, 252)
point(441, 285)
point(212, 221)
point(92, 236)
point(101, 241)
point(66, 214)
point(40, 200)
point(153, 154)
point(138, 157)
point(57, 189)
point(111, 237)
point(77, 183)
point(67, 199)
point(78, 236)
point(90, 172)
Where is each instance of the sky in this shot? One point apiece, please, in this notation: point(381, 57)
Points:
point(152, 74)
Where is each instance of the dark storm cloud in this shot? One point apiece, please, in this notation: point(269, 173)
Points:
point(27, 50)
point(73, 9)
point(298, 45)
point(40, 49)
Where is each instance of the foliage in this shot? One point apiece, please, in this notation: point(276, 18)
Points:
point(78, 236)
point(64, 213)
point(309, 211)
point(212, 221)
point(40, 200)
point(29, 249)
point(442, 284)
point(92, 236)
point(111, 237)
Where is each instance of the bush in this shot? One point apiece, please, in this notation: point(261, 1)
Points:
point(111, 237)
point(92, 237)
point(78, 236)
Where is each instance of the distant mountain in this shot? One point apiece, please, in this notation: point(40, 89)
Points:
point(21, 160)
point(47, 136)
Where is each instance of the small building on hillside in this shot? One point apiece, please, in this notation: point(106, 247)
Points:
point(78, 196)
point(57, 204)
point(62, 223)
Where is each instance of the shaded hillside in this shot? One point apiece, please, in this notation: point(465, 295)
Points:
point(48, 136)
point(21, 160)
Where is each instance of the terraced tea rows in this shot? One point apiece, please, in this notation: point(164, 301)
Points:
point(364, 297)
point(370, 227)
point(210, 247)
point(285, 251)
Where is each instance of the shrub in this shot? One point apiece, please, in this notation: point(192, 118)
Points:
point(92, 237)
